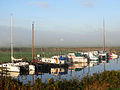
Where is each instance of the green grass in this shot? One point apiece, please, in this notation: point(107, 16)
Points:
point(45, 52)
point(5, 56)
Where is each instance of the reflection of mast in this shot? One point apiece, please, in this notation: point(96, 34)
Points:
point(88, 68)
point(104, 66)
point(11, 37)
point(71, 72)
point(83, 71)
point(117, 60)
point(103, 35)
point(33, 41)
point(33, 79)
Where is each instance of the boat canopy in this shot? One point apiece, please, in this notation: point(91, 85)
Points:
point(78, 54)
point(63, 58)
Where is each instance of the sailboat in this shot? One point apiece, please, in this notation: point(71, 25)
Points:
point(104, 54)
point(10, 66)
point(17, 64)
point(93, 56)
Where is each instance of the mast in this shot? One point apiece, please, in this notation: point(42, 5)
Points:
point(33, 41)
point(103, 34)
point(11, 38)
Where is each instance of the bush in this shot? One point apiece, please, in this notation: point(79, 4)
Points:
point(105, 80)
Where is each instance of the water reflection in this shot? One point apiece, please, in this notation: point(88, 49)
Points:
point(59, 71)
point(77, 66)
point(75, 70)
point(12, 74)
point(31, 72)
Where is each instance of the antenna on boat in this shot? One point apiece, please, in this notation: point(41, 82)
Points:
point(103, 34)
point(33, 40)
point(11, 38)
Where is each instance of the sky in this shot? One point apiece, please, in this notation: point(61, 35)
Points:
point(75, 23)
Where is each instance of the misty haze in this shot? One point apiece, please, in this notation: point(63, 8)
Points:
point(50, 38)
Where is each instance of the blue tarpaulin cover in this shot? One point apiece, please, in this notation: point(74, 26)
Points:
point(63, 58)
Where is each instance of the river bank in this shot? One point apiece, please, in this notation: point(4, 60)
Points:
point(98, 81)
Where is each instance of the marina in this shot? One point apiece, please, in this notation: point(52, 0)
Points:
point(59, 45)
point(72, 71)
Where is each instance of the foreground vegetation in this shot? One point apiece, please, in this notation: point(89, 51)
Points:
point(45, 52)
point(103, 81)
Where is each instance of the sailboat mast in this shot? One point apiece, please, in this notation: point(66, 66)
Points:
point(12, 37)
point(103, 34)
point(33, 41)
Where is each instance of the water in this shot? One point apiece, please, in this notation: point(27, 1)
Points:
point(75, 71)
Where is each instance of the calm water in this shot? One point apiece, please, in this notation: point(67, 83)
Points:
point(75, 71)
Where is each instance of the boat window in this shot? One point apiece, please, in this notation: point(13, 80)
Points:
point(78, 54)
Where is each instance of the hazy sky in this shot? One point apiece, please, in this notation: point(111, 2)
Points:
point(60, 22)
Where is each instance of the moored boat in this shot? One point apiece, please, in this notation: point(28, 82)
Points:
point(76, 57)
point(113, 56)
point(9, 67)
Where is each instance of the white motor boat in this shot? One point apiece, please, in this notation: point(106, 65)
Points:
point(53, 60)
point(77, 57)
point(93, 55)
point(10, 67)
point(113, 56)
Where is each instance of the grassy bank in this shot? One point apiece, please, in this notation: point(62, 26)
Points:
point(46, 52)
point(103, 81)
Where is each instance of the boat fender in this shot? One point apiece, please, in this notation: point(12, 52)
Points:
point(19, 63)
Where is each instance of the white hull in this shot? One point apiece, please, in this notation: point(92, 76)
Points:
point(31, 68)
point(10, 67)
point(113, 56)
point(52, 61)
point(94, 58)
point(21, 63)
point(79, 59)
